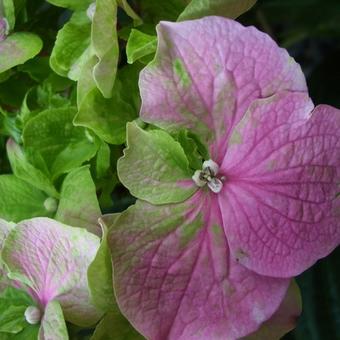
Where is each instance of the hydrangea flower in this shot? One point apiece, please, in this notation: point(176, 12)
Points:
point(50, 260)
point(209, 250)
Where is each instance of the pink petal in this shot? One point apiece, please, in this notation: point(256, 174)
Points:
point(174, 278)
point(283, 169)
point(207, 72)
point(52, 259)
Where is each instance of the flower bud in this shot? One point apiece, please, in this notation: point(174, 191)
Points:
point(32, 315)
point(51, 204)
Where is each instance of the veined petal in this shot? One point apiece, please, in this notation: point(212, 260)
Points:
point(52, 259)
point(207, 72)
point(279, 203)
point(174, 278)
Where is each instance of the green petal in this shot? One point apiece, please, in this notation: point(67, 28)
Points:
point(18, 48)
point(154, 167)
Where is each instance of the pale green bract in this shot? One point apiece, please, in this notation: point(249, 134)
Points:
point(156, 150)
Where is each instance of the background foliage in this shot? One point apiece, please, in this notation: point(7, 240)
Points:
point(309, 29)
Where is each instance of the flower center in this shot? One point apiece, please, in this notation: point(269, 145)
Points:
point(208, 176)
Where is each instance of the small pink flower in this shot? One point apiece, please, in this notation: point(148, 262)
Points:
point(50, 260)
point(216, 263)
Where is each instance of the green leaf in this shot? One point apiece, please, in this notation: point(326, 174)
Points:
point(108, 117)
point(13, 303)
point(74, 155)
point(105, 45)
point(18, 48)
point(99, 275)
point(227, 8)
point(103, 161)
point(114, 326)
point(70, 51)
point(72, 4)
point(26, 171)
point(62, 145)
point(154, 167)
point(78, 204)
point(53, 325)
point(30, 332)
point(48, 99)
point(20, 200)
point(140, 45)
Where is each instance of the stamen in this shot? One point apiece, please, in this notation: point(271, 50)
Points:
point(208, 175)
point(199, 179)
point(213, 166)
point(215, 185)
